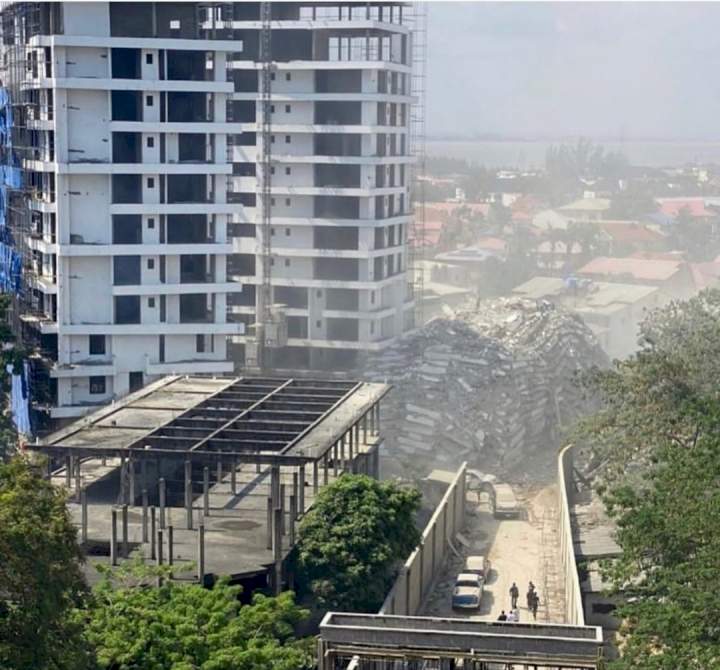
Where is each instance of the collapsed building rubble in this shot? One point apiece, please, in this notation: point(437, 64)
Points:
point(490, 383)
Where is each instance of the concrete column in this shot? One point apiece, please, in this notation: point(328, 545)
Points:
point(219, 473)
point(269, 522)
point(161, 496)
point(113, 537)
point(335, 458)
point(342, 453)
point(275, 484)
point(365, 428)
point(144, 515)
point(160, 546)
point(316, 475)
point(281, 505)
point(188, 494)
point(143, 473)
point(123, 479)
point(78, 480)
point(296, 486)
point(170, 544)
point(83, 517)
point(277, 549)
point(68, 471)
point(326, 474)
point(153, 531)
point(201, 553)
point(293, 517)
point(301, 500)
point(206, 491)
point(125, 547)
point(233, 478)
point(131, 479)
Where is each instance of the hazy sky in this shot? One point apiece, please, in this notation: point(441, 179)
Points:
point(598, 69)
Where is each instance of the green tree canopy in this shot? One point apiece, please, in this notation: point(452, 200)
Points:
point(656, 443)
point(187, 627)
point(352, 540)
point(40, 577)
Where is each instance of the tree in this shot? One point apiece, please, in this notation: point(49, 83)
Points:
point(40, 576)
point(187, 627)
point(351, 541)
point(655, 445)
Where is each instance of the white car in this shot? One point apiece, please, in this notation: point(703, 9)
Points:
point(506, 504)
point(477, 565)
point(467, 592)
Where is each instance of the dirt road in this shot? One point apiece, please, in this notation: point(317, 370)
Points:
point(520, 550)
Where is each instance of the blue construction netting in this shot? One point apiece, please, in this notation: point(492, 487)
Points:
point(10, 178)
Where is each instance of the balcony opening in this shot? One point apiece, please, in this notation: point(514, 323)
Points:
point(194, 269)
point(347, 176)
point(244, 199)
point(131, 19)
point(192, 148)
point(194, 308)
point(246, 140)
point(294, 45)
point(186, 107)
point(127, 309)
point(127, 229)
point(297, 326)
point(127, 147)
point(337, 207)
point(241, 264)
point(345, 113)
point(338, 81)
point(340, 237)
point(244, 169)
point(125, 63)
point(126, 270)
point(187, 188)
point(187, 229)
point(337, 144)
point(178, 20)
point(246, 297)
point(126, 188)
point(241, 230)
point(136, 381)
point(243, 111)
point(126, 105)
point(245, 81)
point(187, 66)
point(291, 296)
point(343, 329)
point(343, 299)
point(342, 269)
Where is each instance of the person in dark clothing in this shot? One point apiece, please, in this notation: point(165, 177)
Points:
point(531, 591)
point(514, 594)
point(534, 605)
point(503, 616)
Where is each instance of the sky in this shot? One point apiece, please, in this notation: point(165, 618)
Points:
point(629, 70)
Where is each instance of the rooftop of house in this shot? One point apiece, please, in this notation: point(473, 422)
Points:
point(637, 268)
point(695, 206)
point(630, 232)
point(587, 205)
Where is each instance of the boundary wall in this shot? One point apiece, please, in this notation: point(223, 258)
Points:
point(573, 597)
point(422, 566)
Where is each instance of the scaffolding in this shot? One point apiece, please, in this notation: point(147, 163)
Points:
point(418, 88)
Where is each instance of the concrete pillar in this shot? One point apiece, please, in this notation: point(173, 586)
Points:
point(277, 550)
point(144, 515)
point(161, 496)
point(326, 474)
point(269, 522)
point(293, 517)
point(201, 553)
point(153, 531)
point(281, 505)
point(301, 499)
point(296, 486)
point(83, 517)
point(68, 471)
point(188, 494)
point(131, 479)
point(206, 491)
point(275, 484)
point(78, 480)
point(113, 537)
point(143, 473)
point(123, 479)
point(342, 453)
point(233, 478)
point(365, 428)
point(125, 547)
point(160, 546)
point(335, 458)
point(170, 544)
point(316, 475)
point(219, 472)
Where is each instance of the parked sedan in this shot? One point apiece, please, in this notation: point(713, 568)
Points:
point(467, 592)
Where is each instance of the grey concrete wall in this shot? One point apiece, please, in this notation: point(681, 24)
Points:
point(420, 569)
point(573, 597)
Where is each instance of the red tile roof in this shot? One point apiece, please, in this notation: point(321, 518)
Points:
point(630, 232)
point(696, 207)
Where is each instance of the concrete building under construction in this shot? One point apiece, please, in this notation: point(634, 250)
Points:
point(215, 471)
point(181, 176)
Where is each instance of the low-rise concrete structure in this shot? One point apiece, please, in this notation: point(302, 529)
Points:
point(212, 471)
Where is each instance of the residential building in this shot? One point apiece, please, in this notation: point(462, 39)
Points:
point(586, 209)
point(137, 131)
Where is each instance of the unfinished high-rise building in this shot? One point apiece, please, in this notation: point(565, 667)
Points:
point(176, 173)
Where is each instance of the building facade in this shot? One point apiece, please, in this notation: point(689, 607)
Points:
point(137, 132)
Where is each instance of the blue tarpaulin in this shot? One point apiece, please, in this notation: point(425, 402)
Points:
point(10, 269)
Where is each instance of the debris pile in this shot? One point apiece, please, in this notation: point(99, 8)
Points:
point(490, 384)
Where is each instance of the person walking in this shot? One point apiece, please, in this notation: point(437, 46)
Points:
point(531, 591)
point(514, 594)
point(535, 604)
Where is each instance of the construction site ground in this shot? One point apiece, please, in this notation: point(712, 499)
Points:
point(520, 550)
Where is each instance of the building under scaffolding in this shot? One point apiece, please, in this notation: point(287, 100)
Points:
point(381, 642)
point(215, 471)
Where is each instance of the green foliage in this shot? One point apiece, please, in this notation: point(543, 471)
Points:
point(584, 159)
point(186, 627)
point(40, 577)
point(352, 540)
point(656, 441)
